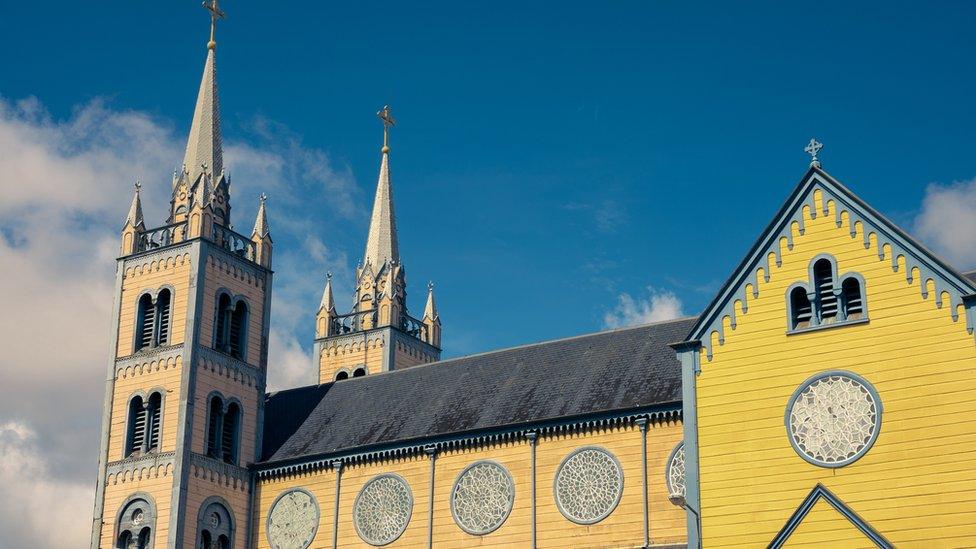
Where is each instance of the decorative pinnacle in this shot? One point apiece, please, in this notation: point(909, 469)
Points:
point(388, 122)
point(215, 14)
point(813, 149)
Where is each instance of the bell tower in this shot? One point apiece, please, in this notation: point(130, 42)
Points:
point(378, 335)
point(185, 386)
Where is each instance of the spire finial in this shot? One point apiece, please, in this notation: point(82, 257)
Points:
point(263, 198)
point(215, 14)
point(430, 285)
point(388, 122)
point(813, 149)
point(138, 186)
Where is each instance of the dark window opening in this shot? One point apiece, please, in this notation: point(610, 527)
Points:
point(228, 437)
point(342, 375)
point(223, 324)
point(801, 308)
point(153, 417)
point(823, 281)
point(146, 322)
point(162, 318)
point(360, 372)
point(213, 427)
point(853, 300)
point(137, 426)
point(238, 324)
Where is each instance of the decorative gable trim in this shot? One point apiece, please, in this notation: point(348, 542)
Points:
point(745, 277)
point(820, 492)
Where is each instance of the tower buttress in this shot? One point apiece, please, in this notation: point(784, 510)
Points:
point(378, 334)
point(185, 389)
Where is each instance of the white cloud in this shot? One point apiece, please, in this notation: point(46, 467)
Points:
point(65, 187)
point(656, 306)
point(947, 222)
point(33, 495)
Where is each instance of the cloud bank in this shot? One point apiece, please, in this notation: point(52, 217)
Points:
point(655, 306)
point(947, 222)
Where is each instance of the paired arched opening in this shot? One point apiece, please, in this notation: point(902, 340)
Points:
point(215, 525)
point(223, 429)
point(153, 320)
point(135, 524)
point(231, 326)
point(144, 424)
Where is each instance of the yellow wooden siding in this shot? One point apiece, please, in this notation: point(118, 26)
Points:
point(203, 484)
point(152, 276)
point(224, 274)
point(825, 527)
point(333, 358)
point(209, 380)
point(623, 528)
point(921, 362)
point(155, 481)
point(154, 373)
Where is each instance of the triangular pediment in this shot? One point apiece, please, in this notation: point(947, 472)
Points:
point(823, 506)
point(812, 195)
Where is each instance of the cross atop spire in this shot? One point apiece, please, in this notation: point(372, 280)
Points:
point(388, 122)
point(813, 149)
point(215, 14)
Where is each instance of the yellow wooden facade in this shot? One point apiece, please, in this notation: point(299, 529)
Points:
point(624, 527)
point(916, 486)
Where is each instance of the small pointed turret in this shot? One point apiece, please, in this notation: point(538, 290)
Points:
point(261, 235)
point(381, 244)
point(134, 225)
point(325, 324)
point(135, 218)
point(432, 319)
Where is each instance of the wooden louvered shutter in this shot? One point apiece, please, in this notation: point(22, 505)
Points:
point(237, 327)
point(137, 426)
point(154, 413)
point(147, 322)
point(223, 311)
point(229, 434)
point(853, 300)
point(216, 410)
point(824, 281)
point(163, 315)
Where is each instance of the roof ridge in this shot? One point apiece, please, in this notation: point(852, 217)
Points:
point(505, 349)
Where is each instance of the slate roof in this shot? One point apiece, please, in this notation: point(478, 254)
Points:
point(611, 371)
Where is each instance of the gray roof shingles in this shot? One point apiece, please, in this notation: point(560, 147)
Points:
point(604, 372)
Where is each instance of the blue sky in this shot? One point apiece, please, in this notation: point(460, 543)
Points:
point(548, 157)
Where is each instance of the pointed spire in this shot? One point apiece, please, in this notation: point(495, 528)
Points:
point(261, 227)
point(135, 209)
point(328, 303)
point(381, 244)
point(204, 150)
point(430, 310)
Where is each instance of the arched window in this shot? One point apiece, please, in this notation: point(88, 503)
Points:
point(162, 318)
point(800, 307)
point(135, 524)
point(215, 525)
point(146, 322)
point(137, 426)
point(823, 282)
point(238, 327)
point(222, 336)
point(853, 299)
point(359, 372)
point(342, 375)
point(144, 423)
point(229, 433)
point(214, 424)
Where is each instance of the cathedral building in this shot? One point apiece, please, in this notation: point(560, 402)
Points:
point(820, 400)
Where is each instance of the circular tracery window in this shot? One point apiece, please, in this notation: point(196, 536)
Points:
point(293, 520)
point(833, 418)
point(676, 472)
point(382, 509)
point(588, 485)
point(482, 497)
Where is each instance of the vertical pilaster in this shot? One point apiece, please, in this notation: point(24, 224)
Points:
point(431, 452)
point(337, 467)
point(533, 436)
point(642, 425)
point(689, 355)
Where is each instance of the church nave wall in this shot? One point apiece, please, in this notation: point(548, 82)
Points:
point(622, 527)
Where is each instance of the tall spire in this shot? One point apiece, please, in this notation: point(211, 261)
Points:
point(204, 147)
point(135, 209)
point(381, 244)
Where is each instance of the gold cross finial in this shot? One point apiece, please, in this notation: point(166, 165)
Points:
point(215, 14)
point(387, 117)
